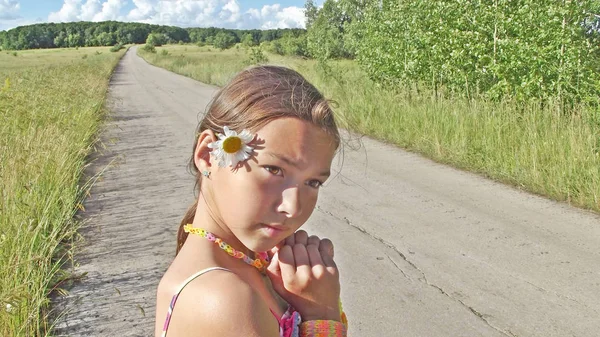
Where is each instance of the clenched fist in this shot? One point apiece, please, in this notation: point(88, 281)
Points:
point(304, 274)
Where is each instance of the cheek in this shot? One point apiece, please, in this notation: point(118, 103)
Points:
point(308, 201)
point(245, 195)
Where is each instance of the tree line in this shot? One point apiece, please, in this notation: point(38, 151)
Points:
point(109, 33)
point(541, 49)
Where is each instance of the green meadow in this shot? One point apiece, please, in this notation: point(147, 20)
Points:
point(533, 146)
point(51, 109)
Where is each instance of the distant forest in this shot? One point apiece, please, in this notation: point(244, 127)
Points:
point(109, 33)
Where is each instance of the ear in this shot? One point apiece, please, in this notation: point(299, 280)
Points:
point(202, 152)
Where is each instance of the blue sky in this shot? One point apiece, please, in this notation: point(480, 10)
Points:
point(243, 14)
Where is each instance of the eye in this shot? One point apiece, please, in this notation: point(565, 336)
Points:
point(274, 170)
point(315, 183)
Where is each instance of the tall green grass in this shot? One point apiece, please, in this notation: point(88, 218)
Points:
point(205, 64)
point(50, 113)
point(532, 146)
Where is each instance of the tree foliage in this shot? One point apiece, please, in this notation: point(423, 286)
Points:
point(248, 40)
point(84, 34)
point(325, 37)
point(157, 39)
point(224, 40)
point(109, 33)
point(497, 48)
point(523, 49)
point(289, 45)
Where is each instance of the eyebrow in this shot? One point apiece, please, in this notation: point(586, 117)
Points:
point(290, 162)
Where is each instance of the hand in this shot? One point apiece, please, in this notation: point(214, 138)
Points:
point(303, 272)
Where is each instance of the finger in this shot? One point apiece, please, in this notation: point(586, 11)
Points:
point(326, 247)
point(274, 269)
point(326, 250)
point(274, 250)
point(301, 237)
point(313, 240)
point(274, 273)
point(291, 240)
point(287, 264)
point(301, 259)
point(314, 256)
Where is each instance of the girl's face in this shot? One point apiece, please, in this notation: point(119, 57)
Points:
point(274, 192)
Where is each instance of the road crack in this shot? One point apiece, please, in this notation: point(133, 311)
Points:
point(423, 279)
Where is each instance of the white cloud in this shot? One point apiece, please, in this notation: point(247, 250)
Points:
point(110, 11)
point(143, 9)
point(89, 9)
point(9, 10)
point(69, 11)
point(288, 17)
point(230, 12)
point(182, 13)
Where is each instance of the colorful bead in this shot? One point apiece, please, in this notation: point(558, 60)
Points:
point(260, 263)
point(322, 328)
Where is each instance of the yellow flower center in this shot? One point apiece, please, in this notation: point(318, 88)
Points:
point(232, 144)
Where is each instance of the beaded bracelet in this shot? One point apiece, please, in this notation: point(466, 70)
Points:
point(322, 328)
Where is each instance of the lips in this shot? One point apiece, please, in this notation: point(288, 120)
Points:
point(273, 230)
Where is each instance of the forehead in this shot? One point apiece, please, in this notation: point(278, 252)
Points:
point(302, 142)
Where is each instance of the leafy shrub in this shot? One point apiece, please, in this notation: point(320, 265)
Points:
point(294, 46)
point(256, 56)
point(149, 48)
point(275, 47)
point(248, 40)
point(164, 52)
point(116, 47)
point(224, 40)
point(157, 39)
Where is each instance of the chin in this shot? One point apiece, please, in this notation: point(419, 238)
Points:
point(263, 245)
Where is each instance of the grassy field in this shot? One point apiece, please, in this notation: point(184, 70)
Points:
point(533, 147)
point(51, 108)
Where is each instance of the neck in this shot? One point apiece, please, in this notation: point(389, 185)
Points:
point(206, 218)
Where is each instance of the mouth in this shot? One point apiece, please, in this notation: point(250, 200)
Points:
point(273, 230)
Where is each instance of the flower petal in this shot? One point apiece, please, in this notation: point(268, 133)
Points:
point(246, 136)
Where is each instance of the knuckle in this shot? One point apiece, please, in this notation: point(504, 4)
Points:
point(301, 232)
point(299, 247)
point(319, 272)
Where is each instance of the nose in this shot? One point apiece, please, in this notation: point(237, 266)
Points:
point(290, 202)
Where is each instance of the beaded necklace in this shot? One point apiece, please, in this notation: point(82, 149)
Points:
point(260, 263)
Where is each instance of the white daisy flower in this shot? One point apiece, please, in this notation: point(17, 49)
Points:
point(232, 148)
point(9, 307)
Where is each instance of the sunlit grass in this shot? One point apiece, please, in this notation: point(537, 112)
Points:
point(531, 146)
point(51, 108)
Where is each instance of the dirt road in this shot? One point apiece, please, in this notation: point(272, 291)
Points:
point(424, 250)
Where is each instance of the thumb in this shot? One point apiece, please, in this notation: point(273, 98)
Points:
point(274, 250)
point(273, 271)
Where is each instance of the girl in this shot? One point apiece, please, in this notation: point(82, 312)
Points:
point(262, 152)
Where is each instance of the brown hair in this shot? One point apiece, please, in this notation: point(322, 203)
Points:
point(253, 98)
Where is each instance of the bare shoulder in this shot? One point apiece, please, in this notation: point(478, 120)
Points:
point(220, 303)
